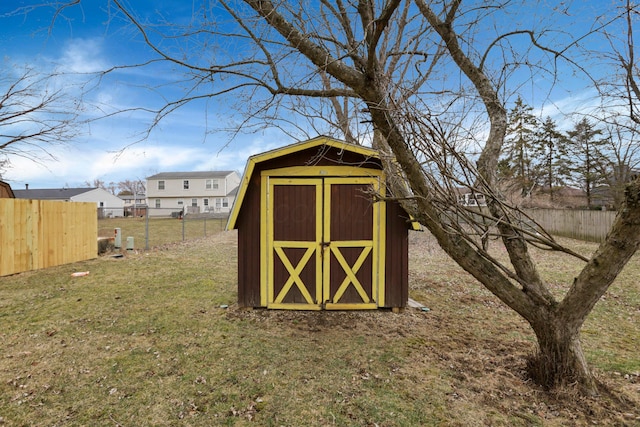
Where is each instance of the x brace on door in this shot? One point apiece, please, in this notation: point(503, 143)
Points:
point(351, 272)
point(295, 272)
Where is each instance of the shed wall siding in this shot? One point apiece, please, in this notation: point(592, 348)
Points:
point(249, 247)
point(397, 260)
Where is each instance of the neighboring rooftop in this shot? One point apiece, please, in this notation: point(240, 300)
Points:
point(51, 193)
point(195, 175)
point(234, 192)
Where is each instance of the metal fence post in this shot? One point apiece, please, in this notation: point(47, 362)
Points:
point(146, 229)
point(184, 219)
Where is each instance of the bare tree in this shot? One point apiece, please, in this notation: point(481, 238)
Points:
point(35, 115)
point(620, 108)
point(428, 77)
point(96, 183)
point(623, 156)
point(134, 187)
point(624, 88)
point(4, 164)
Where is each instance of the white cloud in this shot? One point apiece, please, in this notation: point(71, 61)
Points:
point(85, 162)
point(83, 56)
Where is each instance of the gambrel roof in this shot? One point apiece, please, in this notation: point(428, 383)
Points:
point(5, 189)
point(370, 158)
point(366, 152)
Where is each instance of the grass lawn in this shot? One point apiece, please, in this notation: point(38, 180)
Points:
point(160, 231)
point(147, 340)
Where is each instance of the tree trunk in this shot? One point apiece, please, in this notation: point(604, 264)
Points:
point(560, 360)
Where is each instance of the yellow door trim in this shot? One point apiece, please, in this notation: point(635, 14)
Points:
point(266, 236)
point(268, 298)
point(376, 250)
point(323, 171)
point(319, 251)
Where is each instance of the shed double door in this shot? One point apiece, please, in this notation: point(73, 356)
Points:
point(323, 244)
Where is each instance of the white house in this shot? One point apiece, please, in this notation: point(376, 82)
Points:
point(134, 204)
point(108, 204)
point(192, 192)
point(467, 197)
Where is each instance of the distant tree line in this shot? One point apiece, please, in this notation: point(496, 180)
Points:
point(593, 155)
point(122, 188)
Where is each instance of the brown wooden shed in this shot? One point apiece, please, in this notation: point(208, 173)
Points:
point(6, 191)
point(310, 236)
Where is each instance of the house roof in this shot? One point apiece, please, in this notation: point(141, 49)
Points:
point(51, 193)
point(283, 151)
point(138, 196)
point(234, 192)
point(195, 175)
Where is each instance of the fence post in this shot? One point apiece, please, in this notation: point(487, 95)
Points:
point(205, 226)
point(184, 219)
point(146, 229)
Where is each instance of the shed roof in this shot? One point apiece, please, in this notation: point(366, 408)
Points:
point(283, 151)
point(7, 189)
point(195, 175)
point(51, 193)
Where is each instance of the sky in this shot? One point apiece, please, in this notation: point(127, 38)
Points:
point(84, 40)
point(112, 149)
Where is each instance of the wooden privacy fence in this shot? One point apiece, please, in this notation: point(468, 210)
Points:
point(578, 224)
point(40, 233)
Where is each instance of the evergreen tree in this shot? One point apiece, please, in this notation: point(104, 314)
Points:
point(551, 152)
point(518, 147)
point(589, 161)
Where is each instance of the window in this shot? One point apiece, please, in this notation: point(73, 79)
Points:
point(180, 202)
point(222, 203)
point(194, 202)
point(157, 203)
point(205, 202)
point(102, 204)
point(211, 184)
point(160, 185)
point(185, 184)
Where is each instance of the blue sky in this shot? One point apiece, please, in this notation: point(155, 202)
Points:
point(84, 40)
point(112, 150)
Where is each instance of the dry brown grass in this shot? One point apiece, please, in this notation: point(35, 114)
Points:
point(144, 341)
point(160, 230)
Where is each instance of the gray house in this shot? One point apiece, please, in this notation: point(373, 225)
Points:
point(192, 192)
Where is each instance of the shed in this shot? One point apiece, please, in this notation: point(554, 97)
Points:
point(6, 191)
point(311, 237)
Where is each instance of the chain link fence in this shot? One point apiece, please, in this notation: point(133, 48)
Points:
point(144, 228)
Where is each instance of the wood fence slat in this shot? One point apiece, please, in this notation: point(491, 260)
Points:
point(7, 220)
point(40, 233)
point(577, 224)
